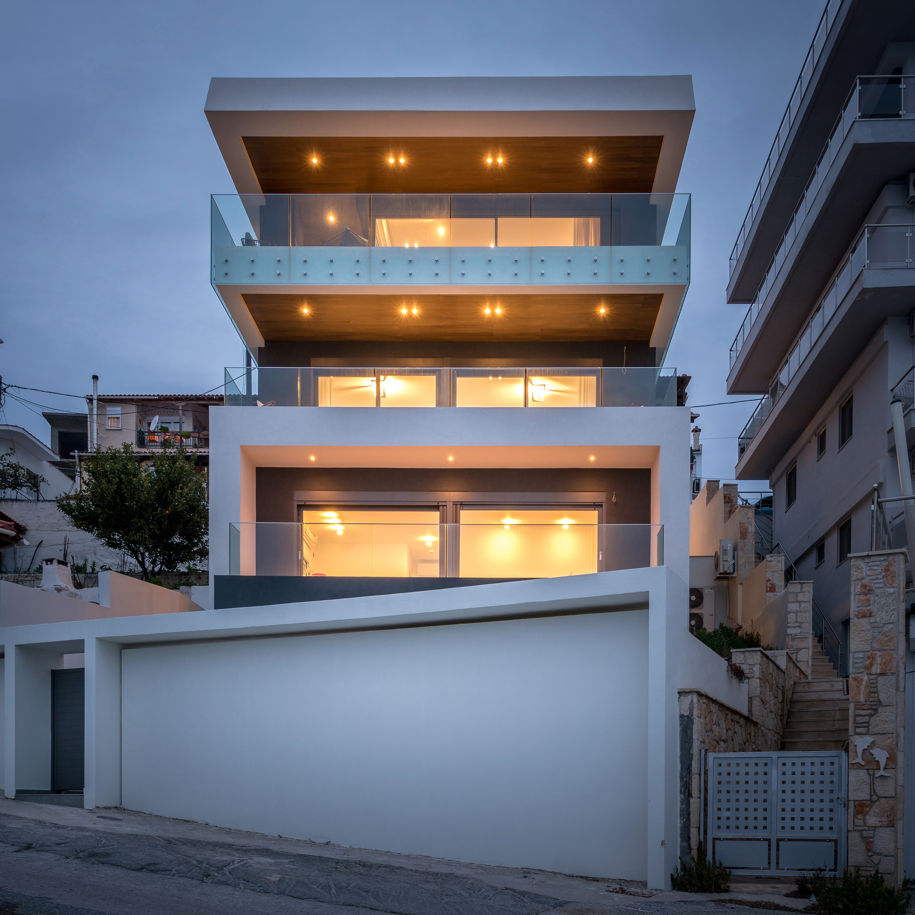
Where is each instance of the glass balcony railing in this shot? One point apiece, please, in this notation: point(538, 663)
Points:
point(507, 549)
point(353, 239)
point(333, 386)
point(871, 98)
point(784, 128)
point(883, 246)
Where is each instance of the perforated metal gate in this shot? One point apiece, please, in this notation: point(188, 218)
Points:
point(777, 813)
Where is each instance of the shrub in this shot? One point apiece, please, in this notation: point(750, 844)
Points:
point(700, 875)
point(724, 640)
point(855, 893)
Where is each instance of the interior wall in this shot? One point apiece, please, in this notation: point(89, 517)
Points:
point(507, 742)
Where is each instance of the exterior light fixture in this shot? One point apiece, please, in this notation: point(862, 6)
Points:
point(331, 217)
point(414, 311)
point(441, 230)
point(591, 457)
point(489, 160)
point(492, 244)
point(487, 311)
point(402, 160)
point(314, 160)
point(500, 160)
point(311, 457)
point(404, 310)
point(391, 160)
point(565, 522)
point(590, 160)
point(498, 309)
point(538, 392)
point(508, 521)
point(451, 458)
point(306, 310)
point(602, 310)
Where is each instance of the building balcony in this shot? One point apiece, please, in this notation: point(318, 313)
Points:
point(465, 240)
point(500, 545)
point(163, 440)
point(873, 282)
point(506, 386)
point(868, 147)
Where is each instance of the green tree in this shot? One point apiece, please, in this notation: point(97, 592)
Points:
point(155, 512)
point(14, 477)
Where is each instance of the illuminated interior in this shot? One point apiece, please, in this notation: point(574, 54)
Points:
point(472, 388)
point(495, 232)
point(371, 543)
point(528, 543)
point(411, 543)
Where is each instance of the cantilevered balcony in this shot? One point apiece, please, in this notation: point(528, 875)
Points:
point(869, 146)
point(358, 240)
point(874, 281)
point(425, 386)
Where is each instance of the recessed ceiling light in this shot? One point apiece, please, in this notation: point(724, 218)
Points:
point(402, 160)
point(498, 309)
point(489, 160)
point(441, 230)
point(602, 310)
point(590, 160)
point(314, 160)
point(591, 457)
point(414, 311)
point(311, 457)
point(487, 310)
point(404, 310)
point(391, 160)
point(306, 310)
point(331, 217)
point(499, 160)
point(450, 457)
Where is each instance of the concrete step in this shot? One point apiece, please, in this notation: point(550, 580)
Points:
point(818, 717)
point(805, 687)
point(807, 746)
point(825, 730)
point(816, 709)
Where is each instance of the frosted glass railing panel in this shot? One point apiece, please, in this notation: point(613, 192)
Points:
point(508, 549)
point(494, 386)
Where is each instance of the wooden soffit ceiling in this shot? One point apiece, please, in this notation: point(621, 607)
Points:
point(623, 317)
point(454, 165)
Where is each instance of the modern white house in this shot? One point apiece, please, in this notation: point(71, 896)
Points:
point(824, 258)
point(449, 491)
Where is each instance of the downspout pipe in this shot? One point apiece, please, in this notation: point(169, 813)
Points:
point(905, 473)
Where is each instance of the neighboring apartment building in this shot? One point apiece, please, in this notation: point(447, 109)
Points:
point(825, 258)
point(150, 423)
point(449, 498)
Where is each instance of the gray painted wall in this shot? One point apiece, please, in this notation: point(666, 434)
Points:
point(277, 487)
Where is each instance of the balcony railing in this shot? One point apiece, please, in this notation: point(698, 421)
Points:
point(164, 440)
point(784, 128)
point(871, 98)
point(904, 390)
point(434, 239)
point(493, 386)
point(499, 550)
point(886, 246)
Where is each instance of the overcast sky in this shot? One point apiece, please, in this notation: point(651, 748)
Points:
point(107, 159)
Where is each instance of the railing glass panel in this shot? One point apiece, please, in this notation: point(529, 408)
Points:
point(506, 548)
point(492, 386)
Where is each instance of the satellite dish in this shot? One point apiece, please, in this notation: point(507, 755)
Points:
point(154, 423)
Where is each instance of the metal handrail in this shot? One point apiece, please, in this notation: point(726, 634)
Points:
point(778, 258)
point(822, 628)
point(778, 144)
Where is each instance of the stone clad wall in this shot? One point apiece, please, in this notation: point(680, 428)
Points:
point(876, 687)
point(799, 623)
point(709, 726)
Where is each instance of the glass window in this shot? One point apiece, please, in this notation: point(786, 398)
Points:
point(790, 487)
point(821, 442)
point(819, 552)
point(528, 543)
point(844, 540)
point(113, 417)
point(846, 421)
point(371, 542)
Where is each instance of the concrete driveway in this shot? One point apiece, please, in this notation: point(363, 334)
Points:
point(70, 861)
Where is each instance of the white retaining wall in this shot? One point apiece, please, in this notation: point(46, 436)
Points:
point(514, 742)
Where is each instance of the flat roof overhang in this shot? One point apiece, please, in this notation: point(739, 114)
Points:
point(635, 128)
point(874, 153)
point(857, 40)
point(640, 313)
point(876, 295)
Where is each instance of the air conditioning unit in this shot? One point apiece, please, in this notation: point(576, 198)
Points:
point(910, 189)
point(696, 622)
point(725, 559)
point(696, 597)
point(697, 486)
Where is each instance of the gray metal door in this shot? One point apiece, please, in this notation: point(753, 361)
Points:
point(68, 729)
point(777, 813)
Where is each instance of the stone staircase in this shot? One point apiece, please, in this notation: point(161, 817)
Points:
point(818, 714)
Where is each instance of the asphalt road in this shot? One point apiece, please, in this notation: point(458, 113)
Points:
point(70, 861)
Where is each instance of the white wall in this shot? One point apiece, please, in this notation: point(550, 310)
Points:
point(515, 742)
